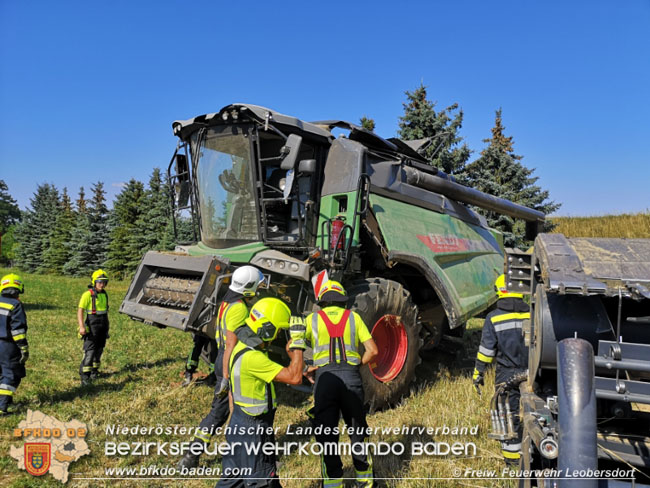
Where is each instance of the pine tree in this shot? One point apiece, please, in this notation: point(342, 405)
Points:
point(58, 252)
point(9, 215)
point(498, 172)
point(156, 214)
point(33, 233)
point(99, 231)
point(125, 237)
point(81, 258)
point(420, 120)
point(367, 123)
point(82, 203)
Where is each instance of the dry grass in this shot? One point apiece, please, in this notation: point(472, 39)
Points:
point(142, 389)
point(625, 225)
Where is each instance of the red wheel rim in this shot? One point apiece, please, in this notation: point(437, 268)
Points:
point(391, 339)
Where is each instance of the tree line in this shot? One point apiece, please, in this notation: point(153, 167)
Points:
point(57, 235)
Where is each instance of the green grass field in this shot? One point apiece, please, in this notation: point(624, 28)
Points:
point(141, 387)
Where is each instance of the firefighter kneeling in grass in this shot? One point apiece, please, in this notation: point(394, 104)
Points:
point(335, 334)
point(502, 337)
point(14, 350)
point(252, 375)
point(94, 329)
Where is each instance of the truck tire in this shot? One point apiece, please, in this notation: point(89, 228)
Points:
point(388, 311)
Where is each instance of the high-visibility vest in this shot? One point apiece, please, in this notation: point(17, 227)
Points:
point(333, 345)
point(224, 308)
point(243, 388)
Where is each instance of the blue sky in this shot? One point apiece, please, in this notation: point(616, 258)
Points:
point(88, 90)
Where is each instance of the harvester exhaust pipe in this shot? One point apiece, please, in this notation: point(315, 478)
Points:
point(465, 194)
point(577, 411)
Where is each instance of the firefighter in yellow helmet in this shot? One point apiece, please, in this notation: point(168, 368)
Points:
point(231, 320)
point(93, 329)
point(14, 350)
point(502, 338)
point(335, 334)
point(252, 375)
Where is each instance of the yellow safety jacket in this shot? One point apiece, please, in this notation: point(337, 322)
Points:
point(251, 379)
point(335, 334)
point(230, 317)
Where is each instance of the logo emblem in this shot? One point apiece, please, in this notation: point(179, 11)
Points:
point(37, 458)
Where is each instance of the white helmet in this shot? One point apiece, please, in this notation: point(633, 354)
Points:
point(245, 280)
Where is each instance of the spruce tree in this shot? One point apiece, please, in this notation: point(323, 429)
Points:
point(9, 215)
point(33, 233)
point(420, 120)
point(99, 231)
point(82, 203)
point(498, 172)
point(156, 214)
point(367, 123)
point(81, 258)
point(125, 236)
point(58, 252)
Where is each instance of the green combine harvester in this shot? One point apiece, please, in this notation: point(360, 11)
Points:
point(292, 199)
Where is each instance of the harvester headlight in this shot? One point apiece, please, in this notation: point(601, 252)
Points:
point(224, 116)
point(281, 264)
point(282, 184)
point(269, 263)
point(294, 267)
point(234, 115)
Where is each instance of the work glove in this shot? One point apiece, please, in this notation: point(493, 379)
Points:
point(222, 390)
point(297, 331)
point(477, 379)
point(24, 354)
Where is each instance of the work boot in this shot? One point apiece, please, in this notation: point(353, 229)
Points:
point(94, 374)
point(188, 461)
point(86, 381)
point(187, 378)
point(211, 379)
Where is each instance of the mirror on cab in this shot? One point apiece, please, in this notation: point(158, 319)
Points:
point(290, 151)
point(307, 166)
point(182, 185)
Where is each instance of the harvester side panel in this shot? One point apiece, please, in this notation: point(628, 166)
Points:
point(464, 258)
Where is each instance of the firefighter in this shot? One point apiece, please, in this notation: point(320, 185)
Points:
point(231, 316)
point(14, 350)
point(94, 328)
point(252, 375)
point(502, 338)
point(201, 342)
point(335, 334)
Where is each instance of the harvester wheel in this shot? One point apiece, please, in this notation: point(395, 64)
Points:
point(388, 311)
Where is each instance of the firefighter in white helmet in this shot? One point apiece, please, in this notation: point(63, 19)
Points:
point(231, 316)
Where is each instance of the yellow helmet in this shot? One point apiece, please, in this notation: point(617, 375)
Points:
point(502, 292)
point(268, 316)
point(99, 275)
point(12, 280)
point(332, 291)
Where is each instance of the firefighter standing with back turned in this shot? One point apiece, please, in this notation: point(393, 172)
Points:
point(231, 316)
point(335, 334)
point(94, 329)
point(252, 375)
point(502, 337)
point(14, 350)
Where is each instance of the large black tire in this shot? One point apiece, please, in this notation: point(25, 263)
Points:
point(387, 307)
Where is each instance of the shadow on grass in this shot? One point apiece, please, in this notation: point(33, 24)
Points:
point(129, 368)
point(90, 391)
point(31, 307)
